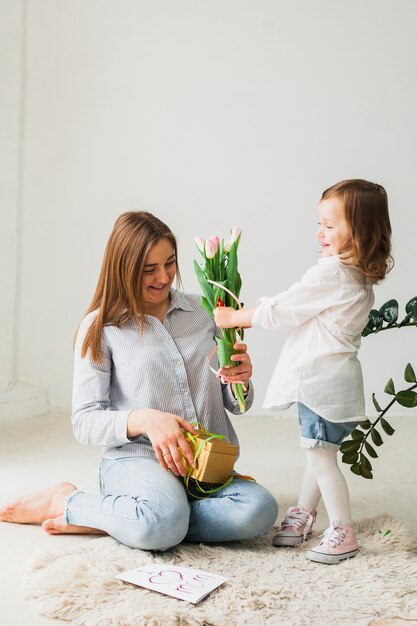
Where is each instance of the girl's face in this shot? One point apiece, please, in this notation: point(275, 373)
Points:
point(158, 275)
point(333, 232)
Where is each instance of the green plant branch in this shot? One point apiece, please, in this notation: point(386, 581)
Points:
point(354, 450)
point(389, 326)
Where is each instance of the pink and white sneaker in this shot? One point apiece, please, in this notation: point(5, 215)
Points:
point(337, 544)
point(296, 527)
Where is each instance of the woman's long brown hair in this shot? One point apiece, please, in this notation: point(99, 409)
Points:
point(117, 298)
point(366, 211)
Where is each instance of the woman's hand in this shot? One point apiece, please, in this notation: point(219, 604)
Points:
point(242, 372)
point(165, 432)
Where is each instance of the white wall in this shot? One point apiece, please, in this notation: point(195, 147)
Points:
point(209, 114)
point(10, 66)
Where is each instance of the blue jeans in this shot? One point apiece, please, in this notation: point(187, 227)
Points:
point(144, 506)
point(316, 432)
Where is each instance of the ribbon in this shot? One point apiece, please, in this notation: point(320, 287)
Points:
point(192, 439)
point(225, 379)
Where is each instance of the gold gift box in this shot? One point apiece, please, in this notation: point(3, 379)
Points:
point(215, 461)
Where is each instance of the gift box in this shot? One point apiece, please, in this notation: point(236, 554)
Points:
point(215, 459)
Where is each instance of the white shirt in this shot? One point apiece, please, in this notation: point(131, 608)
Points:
point(165, 368)
point(318, 365)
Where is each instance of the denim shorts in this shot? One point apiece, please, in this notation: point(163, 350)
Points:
point(316, 432)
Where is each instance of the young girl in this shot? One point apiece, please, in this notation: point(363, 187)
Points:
point(318, 367)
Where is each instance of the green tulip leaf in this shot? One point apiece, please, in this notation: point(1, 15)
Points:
point(370, 450)
point(206, 288)
point(407, 398)
point(376, 437)
point(224, 352)
point(231, 270)
point(204, 303)
point(387, 427)
point(389, 387)
point(376, 404)
point(409, 374)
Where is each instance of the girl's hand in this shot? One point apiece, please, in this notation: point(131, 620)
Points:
point(242, 372)
point(224, 316)
point(165, 432)
point(228, 317)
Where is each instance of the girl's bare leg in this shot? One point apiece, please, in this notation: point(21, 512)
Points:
point(45, 507)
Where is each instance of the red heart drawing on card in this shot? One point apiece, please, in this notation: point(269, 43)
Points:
point(166, 577)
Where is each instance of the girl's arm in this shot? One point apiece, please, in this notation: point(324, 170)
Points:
point(228, 317)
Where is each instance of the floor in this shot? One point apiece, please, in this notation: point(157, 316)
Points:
point(38, 452)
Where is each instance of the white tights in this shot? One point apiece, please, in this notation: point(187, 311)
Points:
point(323, 477)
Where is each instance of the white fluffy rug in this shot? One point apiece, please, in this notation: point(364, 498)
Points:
point(266, 585)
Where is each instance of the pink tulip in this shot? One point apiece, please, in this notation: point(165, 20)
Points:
point(199, 242)
point(236, 232)
point(227, 245)
point(212, 246)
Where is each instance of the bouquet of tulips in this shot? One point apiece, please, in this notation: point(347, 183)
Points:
point(220, 283)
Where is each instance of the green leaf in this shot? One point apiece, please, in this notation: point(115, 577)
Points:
point(409, 374)
point(376, 404)
point(366, 424)
point(411, 307)
point(364, 471)
point(356, 468)
point(350, 457)
point(231, 270)
point(365, 462)
point(220, 293)
point(387, 427)
point(224, 352)
point(376, 437)
point(367, 331)
point(389, 387)
point(357, 435)
point(350, 446)
point(407, 398)
point(389, 311)
point(370, 450)
point(374, 321)
point(240, 396)
point(205, 286)
point(405, 320)
point(206, 306)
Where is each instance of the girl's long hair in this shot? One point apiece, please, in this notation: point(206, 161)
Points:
point(366, 211)
point(118, 298)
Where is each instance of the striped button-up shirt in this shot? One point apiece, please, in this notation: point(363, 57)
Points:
point(165, 368)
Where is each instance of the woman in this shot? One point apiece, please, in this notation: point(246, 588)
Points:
point(141, 378)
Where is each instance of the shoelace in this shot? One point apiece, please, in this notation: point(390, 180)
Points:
point(297, 517)
point(333, 535)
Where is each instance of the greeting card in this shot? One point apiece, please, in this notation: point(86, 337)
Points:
point(184, 583)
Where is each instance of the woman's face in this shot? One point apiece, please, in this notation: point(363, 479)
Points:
point(158, 274)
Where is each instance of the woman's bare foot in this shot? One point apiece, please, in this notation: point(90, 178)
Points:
point(57, 526)
point(38, 507)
